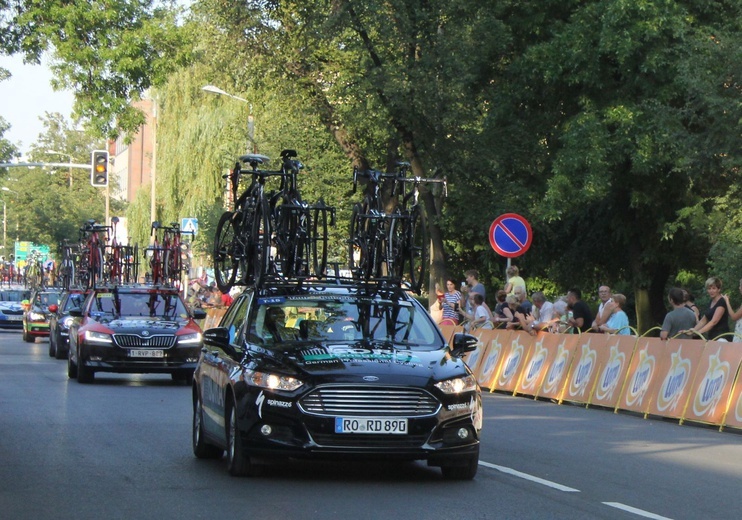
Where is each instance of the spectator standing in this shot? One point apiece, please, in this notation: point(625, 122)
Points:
point(450, 303)
point(604, 294)
point(737, 316)
point(502, 313)
point(514, 280)
point(679, 318)
point(472, 285)
point(227, 299)
point(581, 318)
point(521, 318)
point(690, 303)
point(560, 316)
point(544, 313)
point(617, 322)
point(520, 293)
point(715, 321)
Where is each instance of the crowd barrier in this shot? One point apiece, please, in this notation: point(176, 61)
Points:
point(213, 317)
point(688, 380)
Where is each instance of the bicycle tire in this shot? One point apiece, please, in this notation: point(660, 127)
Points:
point(398, 244)
point(319, 241)
point(285, 237)
point(225, 263)
point(358, 243)
point(96, 266)
point(417, 251)
point(260, 234)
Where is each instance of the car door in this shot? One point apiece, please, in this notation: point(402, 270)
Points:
point(222, 351)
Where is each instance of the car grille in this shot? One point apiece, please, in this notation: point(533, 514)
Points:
point(369, 402)
point(369, 441)
point(11, 312)
point(137, 341)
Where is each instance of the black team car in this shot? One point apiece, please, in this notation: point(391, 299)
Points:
point(335, 371)
point(61, 320)
point(134, 329)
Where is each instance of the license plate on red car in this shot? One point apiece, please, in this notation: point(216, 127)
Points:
point(147, 353)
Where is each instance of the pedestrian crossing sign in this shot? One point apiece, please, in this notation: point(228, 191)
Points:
point(189, 225)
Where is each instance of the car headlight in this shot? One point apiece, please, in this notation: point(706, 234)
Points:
point(36, 316)
point(67, 322)
point(273, 381)
point(457, 385)
point(97, 337)
point(190, 339)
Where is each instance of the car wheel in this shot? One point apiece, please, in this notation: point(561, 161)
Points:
point(59, 353)
point(85, 375)
point(183, 377)
point(202, 449)
point(238, 463)
point(71, 366)
point(466, 472)
point(52, 346)
point(27, 338)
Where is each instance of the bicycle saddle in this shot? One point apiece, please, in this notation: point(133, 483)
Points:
point(254, 159)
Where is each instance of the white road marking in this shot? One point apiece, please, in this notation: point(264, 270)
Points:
point(640, 512)
point(526, 476)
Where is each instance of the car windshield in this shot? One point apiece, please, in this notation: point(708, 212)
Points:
point(74, 301)
point(46, 299)
point(14, 296)
point(277, 320)
point(153, 305)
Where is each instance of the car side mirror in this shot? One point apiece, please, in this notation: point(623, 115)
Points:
point(76, 312)
point(198, 314)
point(53, 307)
point(219, 337)
point(463, 343)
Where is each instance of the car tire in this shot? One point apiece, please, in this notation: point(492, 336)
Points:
point(27, 338)
point(85, 375)
point(201, 448)
point(52, 346)
point(71, 367)
point(182, 377)
point(59, 353)
point(238, 462)
point(465, 472)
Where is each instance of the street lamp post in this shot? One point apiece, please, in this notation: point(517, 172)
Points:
point(70, 162)
point(250, 118)
point(5, 219)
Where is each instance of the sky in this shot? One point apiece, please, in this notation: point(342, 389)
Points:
point(26, 97)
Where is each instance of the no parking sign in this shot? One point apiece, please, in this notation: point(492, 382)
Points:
point(510, 235)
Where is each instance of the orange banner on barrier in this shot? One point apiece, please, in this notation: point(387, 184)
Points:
point(734, 414)
point(449, 330)
point(713, 384)
point(538, 363)
point(496, 342)
point(614, 365)
point(514, 356)
point(560, 357)
point(676, 371)
point(642, 371)
point(584, 368)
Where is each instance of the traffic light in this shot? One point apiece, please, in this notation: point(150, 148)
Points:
point(99, 169)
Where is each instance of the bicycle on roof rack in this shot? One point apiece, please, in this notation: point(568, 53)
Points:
point(390, 245)
point(121, 263)
point(93, 238)
point(166, 265)
point(269, 234)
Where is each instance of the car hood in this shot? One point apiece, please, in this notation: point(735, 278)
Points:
point(136, 325)
point(349, 361)
point(11, 306)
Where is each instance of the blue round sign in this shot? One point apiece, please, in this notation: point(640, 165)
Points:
point(510, 235)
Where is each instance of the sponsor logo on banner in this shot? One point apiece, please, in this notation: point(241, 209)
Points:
point(674, 383)
point(583, 371)
point(557, 369)
point(512, 362)
point(609, 379)
point(535, 366)
point(738, 409)
point(642, 377)
point(474, 356)
point(711, 386)
point(490, 361)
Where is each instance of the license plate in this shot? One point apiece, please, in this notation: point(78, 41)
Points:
point(13, 317)
point(370, 425)
point(147, 353)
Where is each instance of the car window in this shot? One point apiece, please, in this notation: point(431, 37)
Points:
point(276, 320)
point(234, 320)
point(73, 301)
point(14, 296)
point(153, 305)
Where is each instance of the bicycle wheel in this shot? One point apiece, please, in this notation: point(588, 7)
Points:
point(285, 239)
point(96, 265)
point(397, 245)
point(225, 264)
point(318, 241)
point(358, 259)
point(260, 235)
point(417, 252)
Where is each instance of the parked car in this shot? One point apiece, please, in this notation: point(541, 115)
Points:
point(60, 321)
point(37, 313)
point(327, 371)
point(134, 329)
point(11, 308)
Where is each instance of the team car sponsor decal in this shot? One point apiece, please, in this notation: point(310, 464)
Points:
point(318, 356)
